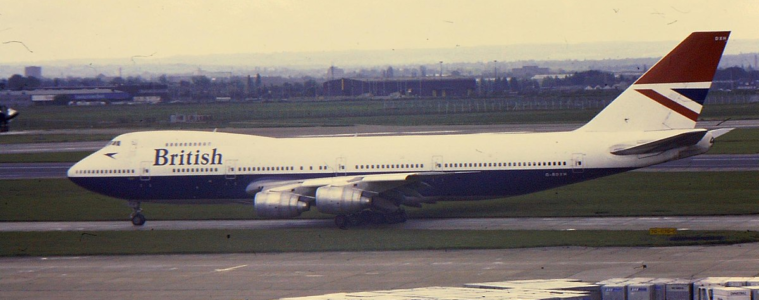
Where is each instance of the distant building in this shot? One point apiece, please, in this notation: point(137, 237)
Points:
point(335, 72)
point(417, 87)
point(144, 93)
point(389, 73)
point(529, 71)
point(33, 71)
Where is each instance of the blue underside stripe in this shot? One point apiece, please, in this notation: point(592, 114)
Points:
point(477, 185)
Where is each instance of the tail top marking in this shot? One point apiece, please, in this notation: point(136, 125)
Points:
point(694, 60)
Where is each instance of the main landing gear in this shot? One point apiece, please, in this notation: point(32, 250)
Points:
point(370, 217)
point(138, 219)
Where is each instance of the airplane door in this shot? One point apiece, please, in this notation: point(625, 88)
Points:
point(340, 166)
point(133, 148)
point(145, 170)
point(437, 163)
point(230, 169)
point(578, 165)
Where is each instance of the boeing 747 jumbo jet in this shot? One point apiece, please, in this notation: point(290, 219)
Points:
point(370, 179)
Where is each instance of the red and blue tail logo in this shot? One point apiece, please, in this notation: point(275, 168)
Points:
point(671, 94)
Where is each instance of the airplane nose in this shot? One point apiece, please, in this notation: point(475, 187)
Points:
point(72, 171)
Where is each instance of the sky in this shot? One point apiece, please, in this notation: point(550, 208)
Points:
point(33, 30)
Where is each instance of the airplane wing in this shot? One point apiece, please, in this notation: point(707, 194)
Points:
point(680, 140)
point(388, 191)
point(377, 183)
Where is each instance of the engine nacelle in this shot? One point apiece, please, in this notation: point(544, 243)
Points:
point(277, 205)
point(341, 200)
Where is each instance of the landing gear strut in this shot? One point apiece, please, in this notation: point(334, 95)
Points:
point(371, 217)
point(138, 219)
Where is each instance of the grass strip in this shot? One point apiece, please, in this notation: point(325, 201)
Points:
point(628, 194)
point(317, 240)
point(738, 141)
point(519, 109)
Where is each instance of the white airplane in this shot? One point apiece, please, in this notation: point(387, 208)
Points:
point(369, 179)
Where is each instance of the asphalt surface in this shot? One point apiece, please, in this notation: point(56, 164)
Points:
point(33, 170)
point(736, 223)
point(51, 147)
point(276, 275)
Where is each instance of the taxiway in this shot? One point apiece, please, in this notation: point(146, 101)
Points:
point(739, 223)
point(276, 275)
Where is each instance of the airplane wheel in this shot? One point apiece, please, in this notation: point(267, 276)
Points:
point(341, 221)
point(138, 220)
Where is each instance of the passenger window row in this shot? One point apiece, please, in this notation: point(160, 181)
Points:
point(503, 164)
point(270, 169)
point(391, 166)
point(257, 169)
point(118, 171)
point(190, 144)
point(194, 170)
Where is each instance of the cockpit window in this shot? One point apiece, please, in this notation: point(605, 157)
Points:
point(114, 143)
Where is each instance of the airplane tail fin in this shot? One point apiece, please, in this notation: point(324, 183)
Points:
point(671, 94)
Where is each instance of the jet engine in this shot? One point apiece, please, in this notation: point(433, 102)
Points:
point(277, 205)
point(6, 114)
point(342, 200)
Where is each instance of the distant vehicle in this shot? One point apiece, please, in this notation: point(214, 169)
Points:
point(370, 179)
point(6, 115)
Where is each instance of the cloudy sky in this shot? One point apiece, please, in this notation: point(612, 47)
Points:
point(54, 30)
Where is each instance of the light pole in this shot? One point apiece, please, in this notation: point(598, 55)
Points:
point(495, 69)
point(441, 69)
point(495, 74)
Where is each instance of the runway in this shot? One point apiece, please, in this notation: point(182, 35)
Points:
point(735, 223)
point(703, 163)
point(33, 170)
point(276, 275)
point(51, 147)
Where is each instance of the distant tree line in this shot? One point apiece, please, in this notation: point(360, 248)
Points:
point(736, 78)
point(205, 88)
point(591, 78)
point(20, 83)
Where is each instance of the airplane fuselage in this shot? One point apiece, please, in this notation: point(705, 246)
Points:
point(218, 167)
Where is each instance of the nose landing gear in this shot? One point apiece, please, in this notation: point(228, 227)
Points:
point(138, 219)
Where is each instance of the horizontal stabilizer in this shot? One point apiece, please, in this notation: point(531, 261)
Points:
point(681, 140)
point(720, 132)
